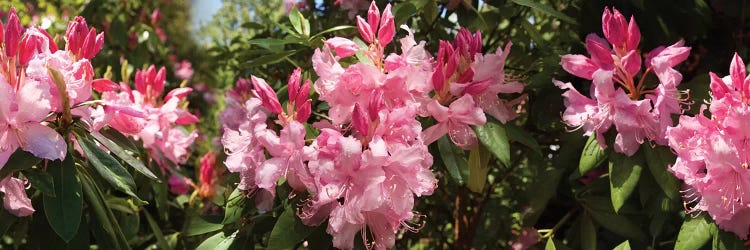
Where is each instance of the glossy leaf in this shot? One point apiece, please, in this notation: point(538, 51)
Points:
point(288, 231)
point(694, 233)
point(546, 9)
point(120, 152)
point(219, 241)
point(108, 167)
point(479, 159)
point(592, 155)
point(624, 173)
point(493, 136)
point(658, 160)
point(449, 159)
point(41, 180)
point(64, 210)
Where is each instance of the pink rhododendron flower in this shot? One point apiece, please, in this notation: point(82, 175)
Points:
point(527, 238)
point(183, 70)
point(618, 96)
point(352, 6)
point(712, 157)
point(178, 184)
point(209, 176)
point(15, 201)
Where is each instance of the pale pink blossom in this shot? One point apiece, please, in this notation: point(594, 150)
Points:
point(15, 201)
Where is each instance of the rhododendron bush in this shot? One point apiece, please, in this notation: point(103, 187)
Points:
point(374, 125)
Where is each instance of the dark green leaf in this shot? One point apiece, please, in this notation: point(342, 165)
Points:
point(41, 180)
point(601, 211)
point(694, 233)
point(337, 28)
point(106, 226)
point(546, 9)
point(118, 138)
point(19, 160)
point(160, 240)
point(6, 220)
point(519, 135)
point(288, 231)
point(588, 233)
point(125, 156)
point(449, 159)
point(592, 156)
point(64, 210)
point(726, 240)
point(493, 136)
point(108, 167)
point(658, 160)
point(624, 173)
point(403, 11)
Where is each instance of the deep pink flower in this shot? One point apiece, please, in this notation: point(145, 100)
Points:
point(178, 184)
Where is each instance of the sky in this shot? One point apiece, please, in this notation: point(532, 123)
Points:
point(203, 10)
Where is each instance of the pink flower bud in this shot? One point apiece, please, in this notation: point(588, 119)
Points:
point(104, 85)
point(365, 30)
point(52, 45)
point(600, 52)
point(75, 35)
point(92, 44)
point(178, 184)
point(373, 16)
point(343, 47)
point(634, 35)
point(294, 84)
point(12, 34)
point(631, 62)
point(303, 93)
point(155, 16)
point(178, 93)
point(304, 111)
point(29, 46)
point(387, 27)
point(266, 94)
point(614, 27)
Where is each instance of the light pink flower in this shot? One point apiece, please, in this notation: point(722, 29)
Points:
point(454, 121)
point(16, 202)
point(183, 70)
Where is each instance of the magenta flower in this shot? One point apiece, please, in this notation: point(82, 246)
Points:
point(638, 114)
point(712, 156)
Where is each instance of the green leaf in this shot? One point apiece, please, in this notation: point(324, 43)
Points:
point(403, 11)
point(296, 18)
point(219, 241)
point(479, 159)
point(105, 221)
point(546, 9)
point(334, 29)
point(288, 231)
point(550, 244)
point(108, 167)
point(694, 233)
point(203, 224)
point(118, 138)
point(659, 159)
point(125, 156)
point(429, 10)
point(726, 240)
point(588, 233)
point(592, 156)
point(493, 136)
point(41, 180)
point(235, 205)
point(64, 210)
point(624, 173)
point(449, 159)
point(160, 240)
point(623, 246)
point(519, 135)
point(600, 209)
point(19, 160)
point(6, 220)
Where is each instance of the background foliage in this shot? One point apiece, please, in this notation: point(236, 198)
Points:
point(534, 179)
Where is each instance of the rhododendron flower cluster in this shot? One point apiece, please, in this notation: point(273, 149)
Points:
point(145, 115)
point(620, 94)
point(712, 152)
point(29, 92)
point(370, 160)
